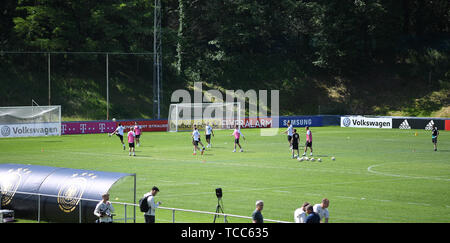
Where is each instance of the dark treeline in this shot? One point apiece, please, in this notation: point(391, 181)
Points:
point(327, 57)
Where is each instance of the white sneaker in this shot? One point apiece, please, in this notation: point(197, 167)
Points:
point(241, 150)
point(304, 154)
point(310, 154)
point(234, 150)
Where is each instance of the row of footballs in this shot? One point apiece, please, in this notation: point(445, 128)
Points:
point(312, 159)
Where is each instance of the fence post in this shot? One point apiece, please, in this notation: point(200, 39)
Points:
point(125, 213)
point(80, 211)
point(173, 215)
point(39, 208)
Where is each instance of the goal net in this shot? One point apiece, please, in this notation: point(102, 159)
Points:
point(183, 116)
point(30, 121)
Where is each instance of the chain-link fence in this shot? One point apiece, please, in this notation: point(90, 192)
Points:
point(87, 85)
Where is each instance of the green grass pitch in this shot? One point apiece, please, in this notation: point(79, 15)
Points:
point(378, 176)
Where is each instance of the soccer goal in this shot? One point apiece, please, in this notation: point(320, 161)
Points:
point(30, 121)
point(183, 116)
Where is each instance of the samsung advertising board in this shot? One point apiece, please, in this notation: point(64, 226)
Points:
point(366, 122)
point(301, 121)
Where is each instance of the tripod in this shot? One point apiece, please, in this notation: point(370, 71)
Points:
point(219, 209)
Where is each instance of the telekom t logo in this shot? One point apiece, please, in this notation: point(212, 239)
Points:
point(82, 127)
point(63, 128)
point(101, 126)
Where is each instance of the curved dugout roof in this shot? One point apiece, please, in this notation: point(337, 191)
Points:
point(62, 188)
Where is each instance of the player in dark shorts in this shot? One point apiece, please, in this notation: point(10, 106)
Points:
point(295, 141)
point(434, 137)
point(308, 143)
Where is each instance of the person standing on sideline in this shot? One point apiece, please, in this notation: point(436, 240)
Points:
point(131, 137)
point(257, 216)
point(137, 131)
point(208, 133)
point(434, 137)
point(313, 217)
point(119, 133)
point(295, 141)
point(150, 214)
point(300, 213)
point(322, 210)
point(104, 210)
point(289, 132)
point(308, 141)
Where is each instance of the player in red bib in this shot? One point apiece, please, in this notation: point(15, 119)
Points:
point(131, 138)
point(308, 141)
point(137, 132)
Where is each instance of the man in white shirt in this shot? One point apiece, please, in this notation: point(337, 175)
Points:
point(289, 132)
point(119, 133)
point(104, 210)
point(208, 132)
point(196, 140)
point(300, 213)
point(322, 210)
point(150, 214)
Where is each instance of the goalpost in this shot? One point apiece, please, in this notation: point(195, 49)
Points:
point(183, 116)
point(30, 121)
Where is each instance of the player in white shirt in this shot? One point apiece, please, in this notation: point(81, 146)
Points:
point(208, 132)
point(119, 133)
point(196, 140)
point(322, 210)
point(300, 213)
point(289, 131)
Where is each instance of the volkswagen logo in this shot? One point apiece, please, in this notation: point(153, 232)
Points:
point(5, 131)
point(346, 121)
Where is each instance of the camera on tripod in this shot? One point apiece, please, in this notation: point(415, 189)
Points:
point(219, 193)
point(219, 208)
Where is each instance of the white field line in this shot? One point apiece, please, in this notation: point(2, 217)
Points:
point(371, 170)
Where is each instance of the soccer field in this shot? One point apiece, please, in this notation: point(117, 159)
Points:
point(379, 175)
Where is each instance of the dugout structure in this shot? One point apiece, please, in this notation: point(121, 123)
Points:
point(62, 195)
point(30, 121)
point(183, 116)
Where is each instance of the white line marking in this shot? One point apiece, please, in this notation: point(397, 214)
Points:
point(370, 169)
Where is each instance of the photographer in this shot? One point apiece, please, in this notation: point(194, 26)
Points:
point(104, 210)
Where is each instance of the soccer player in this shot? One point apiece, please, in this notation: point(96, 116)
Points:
point(137, 131)
point(289, 132)
point(119, 133)
point(308, 141)
point(237, 134)
point(196, 140)
point(434, 137)
point(199, 139)
point(131, 137)
point(295, 141)
point(208, 132)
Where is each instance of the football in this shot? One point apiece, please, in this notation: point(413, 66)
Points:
point(312, 159)
point(319, 159)
point(114, 119)
point(333, 158)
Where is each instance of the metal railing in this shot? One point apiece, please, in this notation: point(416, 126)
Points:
point(134, 206)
